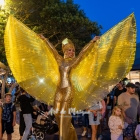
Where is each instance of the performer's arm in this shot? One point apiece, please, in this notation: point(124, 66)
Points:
point(85, 49)
point(57, 56)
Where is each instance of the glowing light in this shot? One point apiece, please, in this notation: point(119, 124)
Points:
point(41, 80)
point(2, 2)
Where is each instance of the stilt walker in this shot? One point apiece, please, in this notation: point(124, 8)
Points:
point(69, 81)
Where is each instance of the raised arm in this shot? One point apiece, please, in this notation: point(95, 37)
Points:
point(87, 47)
point(56, 54)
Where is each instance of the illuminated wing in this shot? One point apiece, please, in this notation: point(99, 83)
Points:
point(31, 60)
point(104, 63)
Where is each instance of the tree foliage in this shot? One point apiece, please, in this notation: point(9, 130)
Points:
point(3, 19)
point(55, 19)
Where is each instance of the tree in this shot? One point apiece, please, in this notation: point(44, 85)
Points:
point(3, 19)
point(55, 19)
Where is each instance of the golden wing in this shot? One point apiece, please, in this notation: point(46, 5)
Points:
point(31, 60)
point(104, 63)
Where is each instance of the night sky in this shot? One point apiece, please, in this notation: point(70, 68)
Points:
point(109, 12)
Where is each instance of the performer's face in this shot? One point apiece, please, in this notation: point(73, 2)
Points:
point(70, 53)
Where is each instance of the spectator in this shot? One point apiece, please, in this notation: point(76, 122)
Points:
point(96, 112)
point(8, 116)
point(85, 124)
point(137, 90)
point(21, 125)
point(116, 123)
point(109, 107)
point(26, 108)
point(137, 84)
point(137, 132)
point(129, 102)
point(101, 125)
point(119, 90)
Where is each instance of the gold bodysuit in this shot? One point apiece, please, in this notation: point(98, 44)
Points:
point(62, 104)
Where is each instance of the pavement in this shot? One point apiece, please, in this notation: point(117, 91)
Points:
point(16, 136)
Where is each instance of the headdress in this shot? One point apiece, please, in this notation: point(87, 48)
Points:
point(66, 44)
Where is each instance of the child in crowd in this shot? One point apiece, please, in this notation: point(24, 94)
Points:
point(8, 116)
point(116, 124)
point(137, 132)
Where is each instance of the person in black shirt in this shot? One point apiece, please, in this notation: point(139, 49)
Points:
point(119, 90)
point(26, 110)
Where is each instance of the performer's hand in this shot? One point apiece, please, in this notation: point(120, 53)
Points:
point(41, 36)
point(96, 38)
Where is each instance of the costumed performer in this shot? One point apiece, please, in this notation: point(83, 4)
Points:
point(69, 82)
point(64, 93)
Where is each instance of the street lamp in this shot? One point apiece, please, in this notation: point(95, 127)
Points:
point(2, 2)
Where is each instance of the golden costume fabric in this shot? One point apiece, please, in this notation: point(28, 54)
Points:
point(43, 73)
point(31, 60)
point(104, 63)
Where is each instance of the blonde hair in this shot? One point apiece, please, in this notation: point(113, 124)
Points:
point(121, 115)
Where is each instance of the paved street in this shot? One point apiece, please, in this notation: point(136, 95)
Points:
point(16, 136)
point(55, 137)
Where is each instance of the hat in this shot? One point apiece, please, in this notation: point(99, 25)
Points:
point(131, 85)
point(8, 94)
point(66, 44)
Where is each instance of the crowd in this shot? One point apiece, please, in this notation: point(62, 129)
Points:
point(27, 109)
point(118, 112)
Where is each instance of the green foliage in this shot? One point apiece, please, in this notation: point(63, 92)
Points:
point(55, 19)
point(3, 19)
